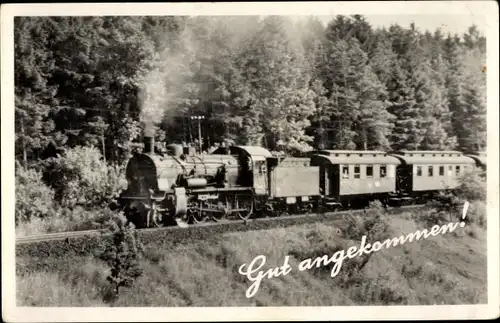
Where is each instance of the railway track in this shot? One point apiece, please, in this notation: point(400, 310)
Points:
point(280, 219)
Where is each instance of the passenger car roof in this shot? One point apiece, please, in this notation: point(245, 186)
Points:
point(432, 157)
point(356, 157)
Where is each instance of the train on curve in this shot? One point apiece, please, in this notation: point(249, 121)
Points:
point(177, 187)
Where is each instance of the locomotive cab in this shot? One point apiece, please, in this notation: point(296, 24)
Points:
point(253, 166)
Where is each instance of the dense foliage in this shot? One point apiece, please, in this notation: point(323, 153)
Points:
point(271, 81)
point(33, 197)
point(81, 177)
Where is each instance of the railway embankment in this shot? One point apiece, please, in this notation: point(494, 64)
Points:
point(200, 266)
point(82, 243)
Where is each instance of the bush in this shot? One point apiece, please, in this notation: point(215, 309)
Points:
point(472, 187)
point(34, 199)
point(447, 206)
point(122, 251)
point(477, 214)
point(375, 227)
point(82, 177)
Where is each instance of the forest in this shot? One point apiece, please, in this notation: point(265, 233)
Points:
point(87, 87)
point(271, 81)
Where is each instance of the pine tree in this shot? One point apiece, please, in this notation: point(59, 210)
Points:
point(280, 98)
point(437, 116)
point(383, 58)
point(359, 115)
point(349, 27)
point(405, 134)
point(466, 93)
point(374, 123)
point(472, 136)
point(344, 68)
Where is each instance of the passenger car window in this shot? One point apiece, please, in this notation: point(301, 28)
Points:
point(441, 170)
point(419, 170)
point(431, 171)
point(457, 170)
point(369, 171)
point(345, 172)
point(357, 171)
point(383, 171)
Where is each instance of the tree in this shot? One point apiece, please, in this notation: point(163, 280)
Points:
point(472, 136)
point(122, 251)
point(348, 27)
point(406, 133)
point(344, 68)
point(34, 95)
point(466, 84)
point(382, 59)
point(321, 119)
point(374, 123)
point(417, 93)
point(280, 99)
point(359, 116)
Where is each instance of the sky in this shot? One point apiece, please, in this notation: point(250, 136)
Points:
point(447, 23)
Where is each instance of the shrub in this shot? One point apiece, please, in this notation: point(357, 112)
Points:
point(82, 177)
point(436, 217)
point(122, 251)
point(447, 206)
point(375, 226)
point(354, 227)
point(34, 199)
point(472, 187)
point(477, 214)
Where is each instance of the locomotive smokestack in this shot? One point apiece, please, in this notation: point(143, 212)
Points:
point(149, 139)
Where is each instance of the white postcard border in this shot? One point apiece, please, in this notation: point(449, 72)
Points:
point(488, 9)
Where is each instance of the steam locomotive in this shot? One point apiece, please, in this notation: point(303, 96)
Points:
point(179, 187)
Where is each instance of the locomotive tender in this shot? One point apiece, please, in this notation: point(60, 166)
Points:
point(238, 181)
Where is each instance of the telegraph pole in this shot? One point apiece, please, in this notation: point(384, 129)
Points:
point(199, 118)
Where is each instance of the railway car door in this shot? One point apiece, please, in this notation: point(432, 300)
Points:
point(333, 180)
point(404, 178)
point(322, 179)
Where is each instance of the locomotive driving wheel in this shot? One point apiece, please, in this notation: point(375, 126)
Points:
point(246, 214)
point(197, 214)
point(220, 213)
point(155, 218)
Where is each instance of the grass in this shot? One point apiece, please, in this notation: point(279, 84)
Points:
point(63, 220)
point(446, 269)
